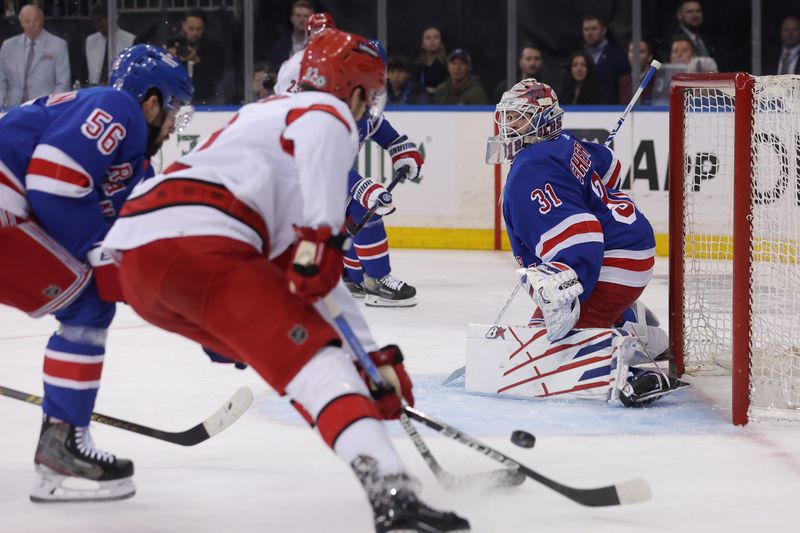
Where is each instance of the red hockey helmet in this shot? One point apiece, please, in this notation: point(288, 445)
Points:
point(319, 21)
point(338, 62)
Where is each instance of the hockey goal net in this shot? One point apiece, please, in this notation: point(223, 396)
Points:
point(735, 236)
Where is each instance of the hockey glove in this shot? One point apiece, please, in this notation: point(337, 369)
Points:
point(389, 361)
point(316, 261)
point(106, 275)
point(554, 288)
point(370, 193)
point(404, 153)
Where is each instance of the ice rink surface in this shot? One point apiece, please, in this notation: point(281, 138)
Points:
point(269, 473)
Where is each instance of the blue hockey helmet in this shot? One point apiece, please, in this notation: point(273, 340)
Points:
point(376, 44)
point(142, 67)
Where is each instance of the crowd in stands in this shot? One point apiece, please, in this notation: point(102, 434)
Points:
point(596, 71)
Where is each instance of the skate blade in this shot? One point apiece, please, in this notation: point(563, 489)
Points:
point(52, 487)
point(370, 300)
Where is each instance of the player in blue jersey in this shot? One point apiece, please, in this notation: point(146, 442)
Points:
point(367, 265)
point(587, 249)
point(67, 163)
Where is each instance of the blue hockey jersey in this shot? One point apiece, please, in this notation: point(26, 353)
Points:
point(70, 160)
point(561, 203)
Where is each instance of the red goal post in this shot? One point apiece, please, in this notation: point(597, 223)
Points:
point(734, 234)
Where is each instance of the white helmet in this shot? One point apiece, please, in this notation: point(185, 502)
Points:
point(526, 114)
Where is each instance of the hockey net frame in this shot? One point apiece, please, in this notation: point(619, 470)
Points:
point(739, 91)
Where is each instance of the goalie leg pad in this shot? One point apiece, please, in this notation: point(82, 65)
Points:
point(38, 276)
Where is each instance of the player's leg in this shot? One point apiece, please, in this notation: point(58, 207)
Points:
point(353, 275)
point(72, 368)
point(40, 277)
point(244, 302)
point(371, 246)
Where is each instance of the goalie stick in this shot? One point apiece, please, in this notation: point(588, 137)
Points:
point(496, 478)
point(224, 417)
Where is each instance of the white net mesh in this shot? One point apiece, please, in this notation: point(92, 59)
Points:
point(708, 219)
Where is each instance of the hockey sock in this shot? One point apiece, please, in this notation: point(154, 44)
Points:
point(332, 396)
point(73, 363)
point(352, 266)
point(372, 248)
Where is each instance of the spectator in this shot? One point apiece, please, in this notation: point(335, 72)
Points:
point(690, 22)
point(430, 67)
point(787, 61)
point(581, 86)
point(530, 65)
point(461, 87)
point(400, 88)
point(625, 89)
point(683, 53)
point(34, 63)
point(202, 57)
point(97, 46)
point(10, 9)
point(294, 41)
point(264, 78)
point(609, 61)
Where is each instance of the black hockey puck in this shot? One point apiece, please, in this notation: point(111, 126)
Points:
point(523, 439)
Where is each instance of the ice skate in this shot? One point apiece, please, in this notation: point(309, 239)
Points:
point(389, 291)
point(71, 469)
point(647, 387)
point(356, 289)
point(395, 503)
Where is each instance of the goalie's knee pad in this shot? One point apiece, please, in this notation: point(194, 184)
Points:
point(38, 276)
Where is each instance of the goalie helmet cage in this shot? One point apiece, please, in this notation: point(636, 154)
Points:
point(735, 237)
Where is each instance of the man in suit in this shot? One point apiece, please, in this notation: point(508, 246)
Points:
point(610, 62)
point(97, 46)
point(690, 22)
point(34, 63)
point(787, 60)
point(203, 58)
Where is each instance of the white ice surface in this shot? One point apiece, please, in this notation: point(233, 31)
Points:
point(269, 473)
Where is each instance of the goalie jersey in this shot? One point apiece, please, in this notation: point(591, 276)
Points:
point(561, 203)
point(70, 160)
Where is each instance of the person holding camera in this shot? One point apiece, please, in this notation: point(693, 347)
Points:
point(202, 57)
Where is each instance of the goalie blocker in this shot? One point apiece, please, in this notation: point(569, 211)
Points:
point(595, 364)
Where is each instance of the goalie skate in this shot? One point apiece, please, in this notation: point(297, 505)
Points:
point(71, 469)
point(396, 506)
point(389, 291)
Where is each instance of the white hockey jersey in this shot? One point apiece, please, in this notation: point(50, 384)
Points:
point(288, 74)
point(278, 163)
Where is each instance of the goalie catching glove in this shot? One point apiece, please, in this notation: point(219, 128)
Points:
point(554, 288)
point(370, 193)
point(404, 153)
point(389, 401)
point(317, 261)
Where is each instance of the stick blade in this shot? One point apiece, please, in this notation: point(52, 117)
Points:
point(230, 412)
point(633, 491)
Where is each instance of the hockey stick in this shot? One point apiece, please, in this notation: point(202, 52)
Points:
point(654, 66)
point(624, 493)
point(496, 478)
point(224, 417)
point(399, 177)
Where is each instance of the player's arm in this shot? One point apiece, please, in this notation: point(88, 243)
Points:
point(606, 164)
point(325, 145)
point(403, 152)
point(566, 238)
point(75, 171)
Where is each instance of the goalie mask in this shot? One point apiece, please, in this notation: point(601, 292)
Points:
point(526, 114)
